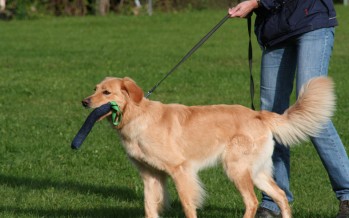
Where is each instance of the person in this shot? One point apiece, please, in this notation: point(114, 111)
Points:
point(2, 5)
point(4, 14)
point(296, 38)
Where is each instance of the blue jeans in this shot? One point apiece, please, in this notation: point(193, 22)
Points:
point(303, 58)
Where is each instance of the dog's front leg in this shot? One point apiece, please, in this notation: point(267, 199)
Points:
point(155, 191)
point(189, 190)
point(155, 194)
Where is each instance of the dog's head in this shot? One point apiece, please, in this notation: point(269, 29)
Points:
point(123, 91)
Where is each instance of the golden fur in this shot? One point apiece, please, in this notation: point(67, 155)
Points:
point(178, 140)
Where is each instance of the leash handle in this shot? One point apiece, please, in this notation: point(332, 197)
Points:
point(202, 41)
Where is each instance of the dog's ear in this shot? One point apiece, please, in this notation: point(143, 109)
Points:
point(133, 91)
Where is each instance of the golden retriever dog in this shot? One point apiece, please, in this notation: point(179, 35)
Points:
point(176, 140)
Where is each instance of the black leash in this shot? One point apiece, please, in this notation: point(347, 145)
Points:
point(202, 41)
point(250, 60)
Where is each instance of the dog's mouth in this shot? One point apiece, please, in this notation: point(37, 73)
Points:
point(104, 116)
point(115, 111)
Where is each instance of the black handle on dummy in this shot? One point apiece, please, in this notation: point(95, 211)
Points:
point(89, 122)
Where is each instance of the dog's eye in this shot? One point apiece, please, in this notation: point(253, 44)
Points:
point(106, 92)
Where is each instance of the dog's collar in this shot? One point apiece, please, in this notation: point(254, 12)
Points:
point(116, 113)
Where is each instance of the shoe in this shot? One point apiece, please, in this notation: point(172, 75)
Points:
point(343, 209)
point(266, 213)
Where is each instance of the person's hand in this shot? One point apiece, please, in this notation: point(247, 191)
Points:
point(243, 9)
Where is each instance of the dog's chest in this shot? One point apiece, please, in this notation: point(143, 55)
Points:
point(133, 149)
point(140, 151)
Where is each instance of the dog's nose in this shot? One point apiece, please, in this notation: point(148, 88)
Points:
point(86, 102)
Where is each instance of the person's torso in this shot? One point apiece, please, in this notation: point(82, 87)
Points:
point(278, 20)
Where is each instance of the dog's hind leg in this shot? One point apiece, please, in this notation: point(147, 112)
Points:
point(262, 177)
point(189, 190)
point(265, 182)
point(243, 182)
point(155, 191)
point(238, 168)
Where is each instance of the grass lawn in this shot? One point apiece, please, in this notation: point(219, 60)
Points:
point(47, 66)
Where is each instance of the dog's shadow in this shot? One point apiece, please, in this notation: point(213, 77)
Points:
point(36, 184)
point(104, 212)
point(121, 193)
point(207, 211)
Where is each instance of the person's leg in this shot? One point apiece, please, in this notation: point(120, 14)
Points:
point(313, 59)
point(277, 76)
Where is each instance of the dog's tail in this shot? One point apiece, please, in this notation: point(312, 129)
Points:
point(312, 110)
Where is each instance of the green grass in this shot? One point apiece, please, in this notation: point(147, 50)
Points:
point(48, 65)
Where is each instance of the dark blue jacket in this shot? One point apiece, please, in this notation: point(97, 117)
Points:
point(278, 20)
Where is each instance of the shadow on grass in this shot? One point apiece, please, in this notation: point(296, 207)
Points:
point(119, 192)
point(175, 211)
point(124, 193)
point(208, 211)
point(307, 214)
point(91, 212)
point(106, 212)
point(214, 211)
